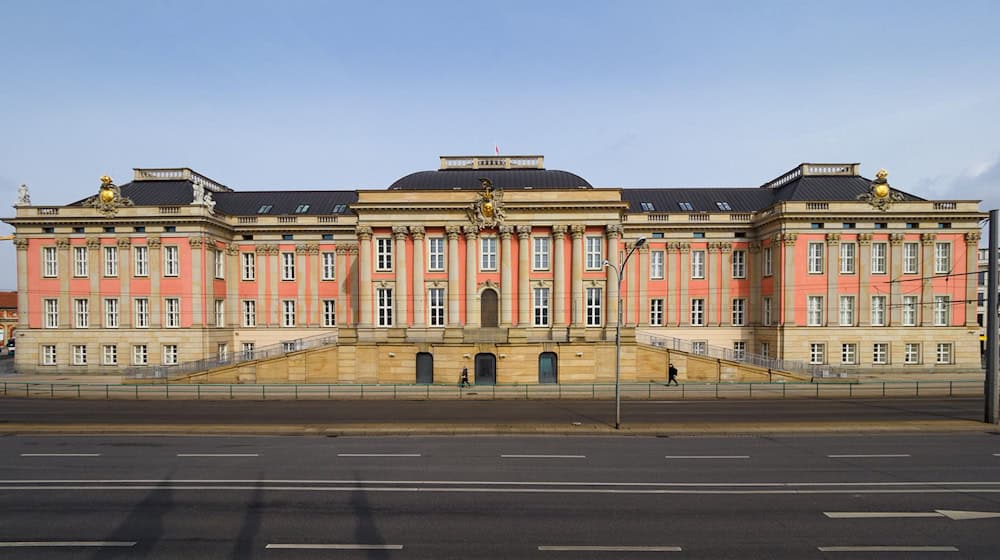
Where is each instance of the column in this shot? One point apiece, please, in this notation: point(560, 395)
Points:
point(832, 270)
point(895, 311)
point(927, 272)
point(96, 270)
point(453, 288)
point(316, 311)
point(685, 273)
point(725, 277)
point(471, 309)
point(864, 269)
point(788, 272)
point(523, 266)
point(419, 292)
point(197, 281)
point(971, 264)
point(365, 273)
point(559, 275)
point(506, 281)
point(302, 273)
point(274, 279)
point(63, 262)
point(233, 308)
point(613, 234)
point(577, 231)
point(342, 271)
point(23, 305)
point(638, 300)
point(124, 275)
point(754, 276)
point(401, 292)
point(777, 285)
point(155, 274)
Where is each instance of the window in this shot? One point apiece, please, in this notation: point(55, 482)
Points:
point(541, 307)
point(739, 311)
point(739, 264)
point(220, 264)
point(656, 264)
point(141, 307)
point(264, 209)
point(911, 258)
point(51, 307)
point(220, 312)
point(109, 354)
point(329, 312)
point(171, 265)
point(222, 351)
point(329, 266)
point(878, 311)
point(249, 313)
point(139, 229)
point(81, 313)
point(171, 312)
point(647, 207)
point(942, 258)
point(301, 208)
point(436, 298)
point(79, 354)
point(656, 312)
point(817, 225)
point(944, 225)
point(880, 353)
point(765, 349)
point(911, 353)
point(383, 254)
point(288, 266)
point(488, 253)
point(327, 237)
point(768, 261)
point(909, 311)
point(698, 312)
point(941, 305)
point(912, 225)
point(699, 347)
point(80, 267)
point(593, 307)
point(817, 353)
point(814, 309)
point(50, 266)
point(850, 225)
point(881, 225)
point(848, 353)
point(878, 258)
point(697, 264)
point(847, 252)
point(541, 253)
point(685, 206)
point(169, 354)
point(247, 348)
point(595, 258)
point(111, 313)
point(169, 229)
point(249, 261)
point(435, 253)
point(140, 254)
point(846, 311)
point(766, 311)
point(111, 261)
point(288, 313)
point(339, 208)
point(290, 346)
point(698, 235)
point(815, 258)
point(140, 355)
point(49, 355)
point(724, 206)
point(739, 349)
point(943, 353)
point(384, 301)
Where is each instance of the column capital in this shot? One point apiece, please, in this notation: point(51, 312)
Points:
point(896, 238)
point(613, 230)
point(417, 232)
point(714, 247)
point(864, 239)
point(124, 243)
point(725, 247)
point(453, 231)
point(684, 248)
point(559, 231)
point(232, 249)
point(92, 243)
point(506, 231)
point(928, 238)
point(754, 246)
point(21, 243)
point(523, 231)
point(400, 232)
point(644, 248)
point(789, 238)
point(307, 248)
point(196, 242)
point(577, 230)
point(972, 238)
point(833, 239)
point(153, 242)
point(471, 232)
point(364, 233)
point(347, 249)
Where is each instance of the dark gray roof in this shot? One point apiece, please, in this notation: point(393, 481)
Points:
point(468, 179)
point(828, 188)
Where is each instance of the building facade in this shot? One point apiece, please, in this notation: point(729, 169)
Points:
point(499, 264)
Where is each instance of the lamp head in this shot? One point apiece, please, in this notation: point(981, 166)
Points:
point(640, 242)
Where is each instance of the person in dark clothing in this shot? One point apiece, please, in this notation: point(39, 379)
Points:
point(465, 378)
point(672, 375)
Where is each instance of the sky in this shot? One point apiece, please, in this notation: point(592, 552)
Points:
point(346, 95)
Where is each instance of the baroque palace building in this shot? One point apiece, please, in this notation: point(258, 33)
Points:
point(499, 265)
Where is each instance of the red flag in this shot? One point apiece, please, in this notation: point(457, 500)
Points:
point(496, 148)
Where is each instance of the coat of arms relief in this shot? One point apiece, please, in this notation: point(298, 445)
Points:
point(488, 209)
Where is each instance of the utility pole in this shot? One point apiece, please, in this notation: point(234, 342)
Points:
point(991, 322)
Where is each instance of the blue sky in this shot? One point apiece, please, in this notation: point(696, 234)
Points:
point(302, 94)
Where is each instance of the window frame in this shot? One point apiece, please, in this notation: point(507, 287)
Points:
point(328, 265)
point(880, 353)
point(50, 262)
point(249, 307)
point(79, 353)
point(846, 312)
point(540, 253)
point(880, 310)
point(594, 248)
point(435, 254)
point(140, 261)
point(81, 262)
point(170, 355)
point(815, 257)
point(880, 251)
point(593, 298)
point(288, 313)
point(171, 313)
point(287, 266)
point(944, 353)
point(849, 353)
point(140, 312)
point(81, 313)
point(911, 263)
point(329, 313)
point(656, 265)
point(171, 261)
point(739, 306)
point(109, 354)
point(814, 311)
point(50, 307)
point(540, 307)
point(910, 305)
point(942, 257)
point(942, 308)
point(383, 254)
point(739, 263)
point(698, 264)
point(912, 353)
point(817, 353)
point(487, 253)
point(384, 307)
point(112, 308)
point(848, 256)
point(436, 306)
point(768, 257)
point(110, 255)
point(656, 312)
point(697, 312)
point(248, 266)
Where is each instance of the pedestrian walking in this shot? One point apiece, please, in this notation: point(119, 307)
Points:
point(465, 378)
point(672, 375)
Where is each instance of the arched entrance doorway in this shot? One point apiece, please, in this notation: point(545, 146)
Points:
point(488, 303)
point(486, 369)
point(548, 368)
point(425, 368)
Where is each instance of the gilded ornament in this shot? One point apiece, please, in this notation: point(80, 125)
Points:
point(880, 194)
point(108, 199)
point(487, 211)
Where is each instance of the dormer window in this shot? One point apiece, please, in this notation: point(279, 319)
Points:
point(339, 209)
point(301, 208)
point(686, 206)
point(264, 209)
point(724, 206)
point(647, 207)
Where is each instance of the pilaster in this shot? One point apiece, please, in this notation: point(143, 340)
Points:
point(864, 278)
point(895, 311)
point(366, 300)
point(454, 318)
point(419, 264)
point(506, 288)
point(971, 263)
point(577, 231)
point(523, 267)
point(559, 276)
point(788, 272)
point(832, 312)
point(401, 293)
point(612, 235)
point(471, 271)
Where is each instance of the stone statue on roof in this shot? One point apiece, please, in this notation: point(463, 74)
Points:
point(199, 192)
point(23, 198)
point(209, 202)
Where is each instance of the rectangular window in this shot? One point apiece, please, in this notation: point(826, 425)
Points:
point(541, 253)
point(817, 353)
point(846, 311)
point(222, 351)
point(329, 266)
point(911, 353)
point(942, 258)
point(249, 313)
point(81, 313)
point(436, 298)
point(171, 261)
point(220, 264)
point(878, 258)
point(220, 312)
point(170, 354)
point(109, 353)
point(541, 307)
point(656, 312)
point(49, 355)
point(768, 261)
point(698, 312)
point(739, 264)
point(878, 311)
point(699, 347)
point(595, 253)
point(288, 313)
point(847, 252)
point(248, 349)
point(383, 254)
point(656, 264)
point(739, 311)
point(765, 349)
point(941, 307)
point(593, 307)
point(880, 353)
point(51, 307)
point(435, 253)
point(140, 256)
point(943, 354)
point(697, 264)
point(50, 266)
point(111, 313)
point(79, 354)
point(171, 312)
point(249, 261)
point(81, 268)
point(815, 258)
point(111, 261)
point(739, 349)
point(910, 311)
point(384, 301)
point(288, 266)
point(487, 253)
point(814, 309)
point(911, 258)
point(766, 312)
point(141, 307)
point(848, 353)
point(329, 312)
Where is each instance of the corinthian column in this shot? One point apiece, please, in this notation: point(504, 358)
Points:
point(971, 263)
point(365, 264)
point(613, 232)
point(559, 282)
point(523, 266)
point(400, 232)
point(506, 288)
point(419, 319)
point(453, 316)
point(471, 309)
point(577, 231)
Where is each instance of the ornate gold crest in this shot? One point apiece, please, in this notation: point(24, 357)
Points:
point(880, 194)
point(108, 199)
point(487, 211)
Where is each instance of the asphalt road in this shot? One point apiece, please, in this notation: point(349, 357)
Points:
point(887, 496)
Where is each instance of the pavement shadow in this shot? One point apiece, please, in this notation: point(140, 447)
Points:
point(246, 539)
point(144, 524)
point(366, 531)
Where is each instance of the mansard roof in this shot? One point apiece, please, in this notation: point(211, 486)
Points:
point(511, 179)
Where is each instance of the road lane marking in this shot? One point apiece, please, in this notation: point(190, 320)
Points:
point(611, 548)
point(954, 515)
point(218, 455)
point(921, 484)
point(887, 549)
point(60, 454)
point(870, 456)
point(706, 457)
point(543, 456)
point(378, 454)
point(20, 544)
point(320, 546)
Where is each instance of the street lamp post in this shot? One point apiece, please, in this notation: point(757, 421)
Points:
point(619, 275)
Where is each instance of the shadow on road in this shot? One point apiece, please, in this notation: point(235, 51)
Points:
point(365, 529)
point(144, 524)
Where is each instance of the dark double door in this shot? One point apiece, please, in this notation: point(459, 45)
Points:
point(486, 369)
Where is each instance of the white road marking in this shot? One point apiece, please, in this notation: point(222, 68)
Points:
point(611, 548)
point(887, 549)
point(879, 514)
point(927, 483)
point(308, 546)
point(218, 455)
point(706, 457)
point(378, 454)
point(543, 456)
point(60, 454)
point(20, 544)
point(871, 456)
